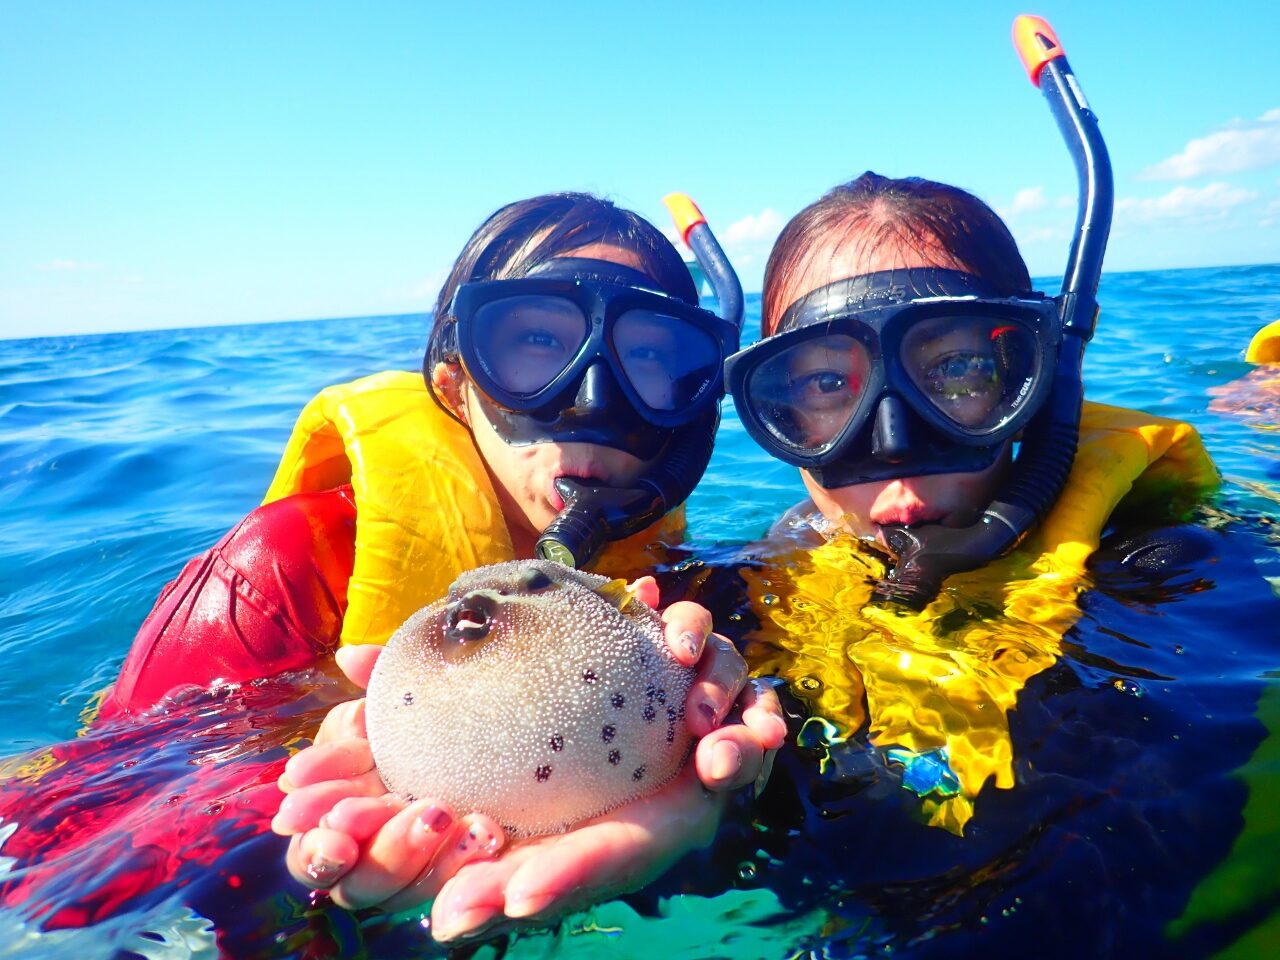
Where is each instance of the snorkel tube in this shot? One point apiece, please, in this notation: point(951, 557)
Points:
point(928, 554)
point(593, 515)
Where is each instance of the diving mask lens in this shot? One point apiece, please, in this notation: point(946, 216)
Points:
point(669, 362)
point(528, 341)
point(807, 394)
point(974, 371)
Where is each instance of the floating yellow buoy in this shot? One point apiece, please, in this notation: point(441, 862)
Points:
point(1265, 345)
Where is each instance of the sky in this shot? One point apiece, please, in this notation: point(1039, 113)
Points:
point(183, 164)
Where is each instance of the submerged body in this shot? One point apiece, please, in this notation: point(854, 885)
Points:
point(537, 694)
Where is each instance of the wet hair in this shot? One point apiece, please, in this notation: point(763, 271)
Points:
point(913, 212)
point(523, 235)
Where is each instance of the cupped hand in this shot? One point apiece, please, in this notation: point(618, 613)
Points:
point(369, 848)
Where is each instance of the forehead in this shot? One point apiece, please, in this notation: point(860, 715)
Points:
point(609, 252)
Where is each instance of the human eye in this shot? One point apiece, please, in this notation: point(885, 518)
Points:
point(540, 339)
point(823, 388)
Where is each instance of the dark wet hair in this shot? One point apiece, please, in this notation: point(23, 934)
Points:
point(912, 211)
point(521, 236)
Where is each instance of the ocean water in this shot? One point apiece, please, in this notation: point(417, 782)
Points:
point(122, 455)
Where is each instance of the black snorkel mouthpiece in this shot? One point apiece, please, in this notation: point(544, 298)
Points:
point(929, 554)
point(594, 515)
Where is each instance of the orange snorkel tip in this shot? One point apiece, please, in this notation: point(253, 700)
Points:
point(1036, 44)
point(684, 212)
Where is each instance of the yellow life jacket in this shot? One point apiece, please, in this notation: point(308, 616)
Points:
point(426, 510)
point(947, 677)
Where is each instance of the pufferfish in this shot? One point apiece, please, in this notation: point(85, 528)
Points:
point(535, 693)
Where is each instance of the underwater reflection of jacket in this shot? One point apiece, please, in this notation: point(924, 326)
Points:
point(426, 507)
point(947, 677)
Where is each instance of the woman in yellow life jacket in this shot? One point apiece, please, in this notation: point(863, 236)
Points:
point(904, 355)
point(570, 390)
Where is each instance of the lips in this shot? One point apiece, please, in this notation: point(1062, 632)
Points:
point(899, 504)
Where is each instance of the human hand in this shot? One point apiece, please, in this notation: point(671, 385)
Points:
point(370, 848)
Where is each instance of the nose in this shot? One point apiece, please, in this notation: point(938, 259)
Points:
point(891, 435)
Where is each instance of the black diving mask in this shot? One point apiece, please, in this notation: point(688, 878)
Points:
point(587, 351)
point(897, 373)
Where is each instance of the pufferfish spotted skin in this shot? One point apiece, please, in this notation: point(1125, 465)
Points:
point(535, 693)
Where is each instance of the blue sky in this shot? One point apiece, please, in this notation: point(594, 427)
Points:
point(170, 165)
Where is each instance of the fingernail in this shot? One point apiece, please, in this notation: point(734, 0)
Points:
point(762, 781)
point(708, 712)
point(522, 907)
point(325, 821)
point(454, 924)
point(692, 644)
point(726, 760)
point(478, 839)
point(323, 870)
point(435, 820)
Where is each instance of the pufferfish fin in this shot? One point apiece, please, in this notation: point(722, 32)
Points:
point(617, 593)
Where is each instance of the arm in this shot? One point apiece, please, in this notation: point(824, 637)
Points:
point(270, 596)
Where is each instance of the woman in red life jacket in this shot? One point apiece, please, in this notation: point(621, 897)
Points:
point(393, 485)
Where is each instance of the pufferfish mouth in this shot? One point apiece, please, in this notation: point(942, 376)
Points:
point(470, 619)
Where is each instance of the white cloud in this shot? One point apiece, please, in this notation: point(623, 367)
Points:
point(1240, 145)
point(1026, 200)
point(1194, 204)
point(754, 228)
point(68, 266)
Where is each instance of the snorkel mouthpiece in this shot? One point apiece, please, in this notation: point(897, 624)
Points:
point(594, 515)
point(928, 554)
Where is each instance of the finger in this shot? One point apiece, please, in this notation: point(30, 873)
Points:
point(686, 626)
point(333, 760)
point(721, 674)
point(616, 853)
point(645, 590)
point(343, 722)
point(728, 758)
point(356, 661)
point(404, 847)
point(761, 712)
point(480, 839)
point(302, 809)
point(471, 900)
point(362, 817)
point(319, 858)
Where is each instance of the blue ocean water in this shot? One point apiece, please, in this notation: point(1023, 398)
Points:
point(122, 455)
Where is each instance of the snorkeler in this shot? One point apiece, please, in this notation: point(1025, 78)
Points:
point(933, 403)
point(571, 386)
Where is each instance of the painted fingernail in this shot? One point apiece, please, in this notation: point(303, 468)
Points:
point(435, 820)
point(692, 644)
point(323, 870)
point(477, 839)
point(726, 760)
